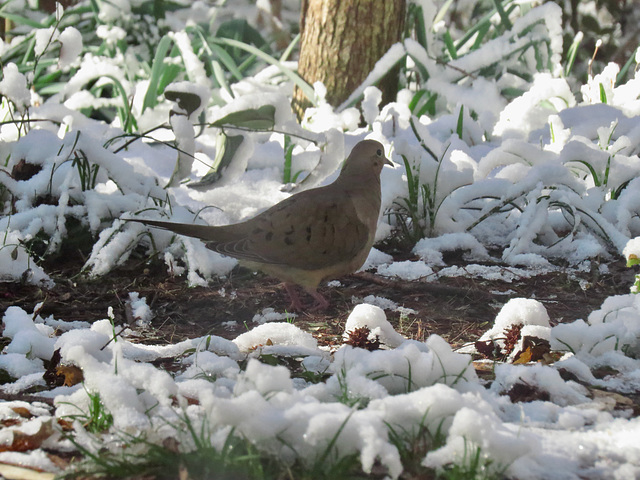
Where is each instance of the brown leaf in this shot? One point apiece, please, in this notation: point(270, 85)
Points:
point(23, 442)
point(72, 375)
point(10, 422)
point(534, 349)
point(523, 392)
point(523, 356)
point(24, 171)
point(22, 411)
point(486, 348)
point(62, 460)
point(50, 375)
point(66, 425)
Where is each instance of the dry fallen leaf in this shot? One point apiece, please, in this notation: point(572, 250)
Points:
point(22, 411)
point(523, 357)
point(534, 349)
point(72, 375)
point(23, 442)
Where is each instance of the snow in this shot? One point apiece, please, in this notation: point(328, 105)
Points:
point(140, 311)
point(407, 270)
point(14, 86)
point(71, 46)
point(548, 178)
point(374, 319)
point(410, 383)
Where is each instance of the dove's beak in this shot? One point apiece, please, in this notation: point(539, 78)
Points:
point(388, 162)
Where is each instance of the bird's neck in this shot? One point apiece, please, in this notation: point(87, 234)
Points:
point(359, 182)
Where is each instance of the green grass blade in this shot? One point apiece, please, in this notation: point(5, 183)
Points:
point(504, 17)
point(227, 61)
point(603, 94)
point(20, 20)
point(290, 74)
point(429, 106)
point(482, 32)
point(151, 97)
point(416, 99)
point(288, 158)
point(451, 48)
point(483, 24)
point(420, 28)
point(571, 54)
point(289, 50)
point(218, 74)
point(29, 53)
point(626, 67)
point(592, 171)
point(442, 12)
point(460, 124)
point(128, 122)
point(215, 51)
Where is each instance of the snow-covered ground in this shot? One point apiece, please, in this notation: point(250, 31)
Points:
point(550, 177)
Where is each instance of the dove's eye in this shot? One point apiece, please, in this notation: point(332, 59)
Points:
point(379, 153)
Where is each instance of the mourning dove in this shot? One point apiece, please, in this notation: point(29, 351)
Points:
point(313, 236)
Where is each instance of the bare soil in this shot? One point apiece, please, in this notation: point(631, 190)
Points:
point(458, 309)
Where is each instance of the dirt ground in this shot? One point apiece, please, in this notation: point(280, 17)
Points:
point(458, 309)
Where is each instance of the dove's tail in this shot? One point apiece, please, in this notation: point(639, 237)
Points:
point(203, 232)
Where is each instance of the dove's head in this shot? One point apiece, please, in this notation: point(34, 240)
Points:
point(366, 158)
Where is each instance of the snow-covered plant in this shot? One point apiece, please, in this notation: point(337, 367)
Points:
point(632, 252)
point(95, 418)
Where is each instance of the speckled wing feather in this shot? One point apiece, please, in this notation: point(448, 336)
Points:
point(310, 231)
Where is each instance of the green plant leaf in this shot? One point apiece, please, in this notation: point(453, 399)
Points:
point(571, 54)
point(290, 74)
point(262, 118)
point(20, 20)
point(287, 53)
point(603, 94)
point(225, 151)
point(451, 48)
point(596, 180)
point(504, 16)
point(189, 102)
point(459, 127)
point(442, 12)
point(129, 123)
point(288, 158)
point(151, 97)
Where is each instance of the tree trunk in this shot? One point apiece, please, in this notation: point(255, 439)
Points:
point(341, 42)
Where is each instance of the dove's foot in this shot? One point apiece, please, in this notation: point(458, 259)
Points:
point(321, 302)
point(296, 302)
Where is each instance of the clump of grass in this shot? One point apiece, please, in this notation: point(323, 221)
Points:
point(417, 212)
point(345, 395)
point(415, 442)
point(193, 455)
point(473, 466)
point(96, 419)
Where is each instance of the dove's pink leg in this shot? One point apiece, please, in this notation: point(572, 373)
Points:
point(322, 303)
point(296, 303)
